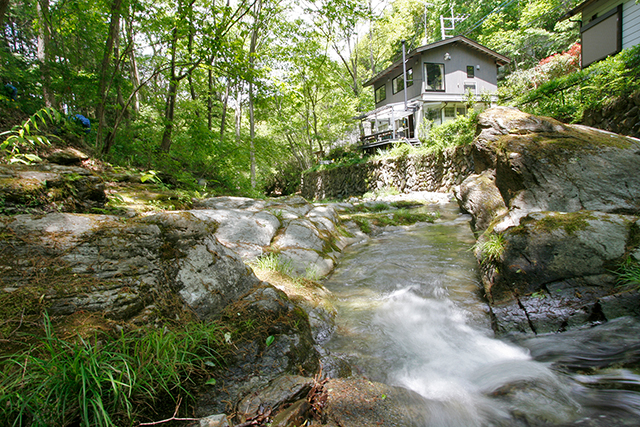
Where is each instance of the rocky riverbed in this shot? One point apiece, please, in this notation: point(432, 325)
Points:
point(555, 208)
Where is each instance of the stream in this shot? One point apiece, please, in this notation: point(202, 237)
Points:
point(410, 314)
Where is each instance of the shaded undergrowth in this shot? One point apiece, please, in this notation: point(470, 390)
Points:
point(107, 379)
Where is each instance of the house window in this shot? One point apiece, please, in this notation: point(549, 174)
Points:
point(398, 82)
point(449, 113)
point(461, 110)
point(471, 72)
point(434, 77)
point(381, 94)
point(470, 87)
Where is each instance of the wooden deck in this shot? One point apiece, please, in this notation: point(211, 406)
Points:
point(384, 140)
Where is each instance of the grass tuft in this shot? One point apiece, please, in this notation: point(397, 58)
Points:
point(491, 248)
point(107, 382)
point(273, 262)
point(628, 274)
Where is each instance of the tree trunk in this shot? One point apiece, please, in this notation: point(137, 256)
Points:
point(225, 104)
point(239, 112)
point(169, 116)
point(172, 94)
point(133, 67)
point(44, 42)
point(210, 99)
point(4, 5)
point(252, 125)
point(114, 27)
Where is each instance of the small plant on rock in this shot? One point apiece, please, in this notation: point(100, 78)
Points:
point(273, 262)
point(628, 273)
point(490, 247)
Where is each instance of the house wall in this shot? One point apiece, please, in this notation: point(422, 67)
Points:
point(630, 18)
point(598, 8)
point(455, 69)
point(486, 77)
point(630, 24)
point(412, 91)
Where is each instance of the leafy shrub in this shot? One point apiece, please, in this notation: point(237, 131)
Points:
point(565, 94)
point(28, 135)
point(460, 131)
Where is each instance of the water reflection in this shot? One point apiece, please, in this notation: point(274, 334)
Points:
point(410, 314)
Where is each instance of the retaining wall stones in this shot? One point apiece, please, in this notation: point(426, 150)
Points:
point(620, 116)
point(428, 172)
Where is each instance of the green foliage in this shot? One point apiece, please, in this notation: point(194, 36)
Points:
point(385, 218)
point(273, 262)
point(363, 224)
point(28, 135)
point(459, 131)
point(568, 96)
point(628, 273)
point(490, 247)
point(106, 382)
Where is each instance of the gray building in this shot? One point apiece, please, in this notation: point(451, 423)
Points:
point(606, 27)
point(440, 78)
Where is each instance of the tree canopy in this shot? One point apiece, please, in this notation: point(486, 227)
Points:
point(234, 92)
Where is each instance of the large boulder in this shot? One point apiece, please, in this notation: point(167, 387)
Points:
point(557, 205)
point(116, 266)
point(149, 270)
point(479, 196)
point(49, 188)
point(557, 270)
point(543, 165)
point(305, 236)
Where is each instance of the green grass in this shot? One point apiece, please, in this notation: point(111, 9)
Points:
point(491, 248)
point(628, 274)
point(273, 262)
point(107, 382)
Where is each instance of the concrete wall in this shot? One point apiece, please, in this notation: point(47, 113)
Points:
point(410, 173)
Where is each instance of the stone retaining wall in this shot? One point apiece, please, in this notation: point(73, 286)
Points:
point(430, 172)
point(621, 116)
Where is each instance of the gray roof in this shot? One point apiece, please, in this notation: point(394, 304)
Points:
point(498, 58)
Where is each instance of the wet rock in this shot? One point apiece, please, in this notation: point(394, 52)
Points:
point(550, 247)
point(625, 303)
point(479, 196)
point(214, 421)
point(300, 233)
point(244, 231)
point(544, 165)
point(556, 270)
point(284, 389)
point(254, 364)
point(295, 415)
point(357, 402)
point(572, 199)
point(303, 235)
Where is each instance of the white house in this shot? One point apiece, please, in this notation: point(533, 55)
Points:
point(606, 27)
point(440, 77)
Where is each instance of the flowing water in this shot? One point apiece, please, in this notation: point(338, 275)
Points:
point(410, 314)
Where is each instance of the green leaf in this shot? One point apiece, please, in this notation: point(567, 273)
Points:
point(212, 381)
point(270, 340)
